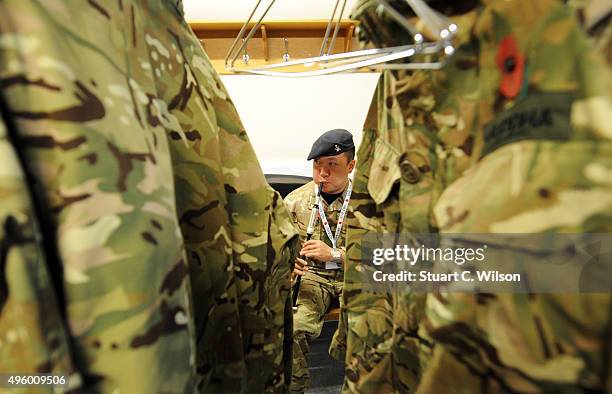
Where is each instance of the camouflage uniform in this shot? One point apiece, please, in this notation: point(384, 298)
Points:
point(529, 342)
point(426, 129)
point(141, 249)
point(596, 16)
point(414, 144)
point(318, 286)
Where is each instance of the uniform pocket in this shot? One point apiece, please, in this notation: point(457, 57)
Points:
point(384, 172)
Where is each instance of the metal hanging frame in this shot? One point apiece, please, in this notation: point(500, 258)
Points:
point(336, 29)
point(377, 58)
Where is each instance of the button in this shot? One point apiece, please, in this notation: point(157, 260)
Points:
point(385, 168)
point(410, 172)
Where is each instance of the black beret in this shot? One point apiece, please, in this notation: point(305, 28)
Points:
point(332, 143)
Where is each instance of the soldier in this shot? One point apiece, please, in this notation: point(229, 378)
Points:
point(322, 269)
point(141, 249)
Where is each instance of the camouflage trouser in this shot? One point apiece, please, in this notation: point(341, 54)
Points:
point(316, 294)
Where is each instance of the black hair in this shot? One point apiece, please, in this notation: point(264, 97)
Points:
point(350, 155)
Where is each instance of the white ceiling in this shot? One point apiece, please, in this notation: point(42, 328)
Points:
point(232, 10)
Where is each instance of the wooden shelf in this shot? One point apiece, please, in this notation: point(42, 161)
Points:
point(286, 28)
point(267, 45)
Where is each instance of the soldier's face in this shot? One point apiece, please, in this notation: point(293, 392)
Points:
point(333, 171)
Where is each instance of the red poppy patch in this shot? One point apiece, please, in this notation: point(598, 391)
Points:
point(511, 63)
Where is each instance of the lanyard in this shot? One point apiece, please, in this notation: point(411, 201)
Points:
point(334, 238)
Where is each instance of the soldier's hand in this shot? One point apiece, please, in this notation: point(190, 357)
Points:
point(317, 250)
point(301, 267)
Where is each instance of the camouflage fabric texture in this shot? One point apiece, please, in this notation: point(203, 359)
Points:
point(542, 175)
point(141, 248)
point(595, 16)
point(425, 130)
point(414, 145)
point(314, 299)
point(299, 204)
point(318, 288)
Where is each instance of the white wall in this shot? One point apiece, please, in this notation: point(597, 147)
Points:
point(284, 116)
point(281, 10)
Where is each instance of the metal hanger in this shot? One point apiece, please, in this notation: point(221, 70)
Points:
point(233, 53)
point(336, 29)
point(328, 63)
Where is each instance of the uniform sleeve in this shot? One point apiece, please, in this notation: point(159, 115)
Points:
point(240, 243)
point(299, 213)
point(33, 337)
point(368, 314)
point(264, 242)
point(289, 204)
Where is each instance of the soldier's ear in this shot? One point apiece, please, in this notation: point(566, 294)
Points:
point(351, 165)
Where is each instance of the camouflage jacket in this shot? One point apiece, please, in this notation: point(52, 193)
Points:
point(541, 143)
point(427, 128)
point(141, 248)
point(300, 203)
point(415, 143)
